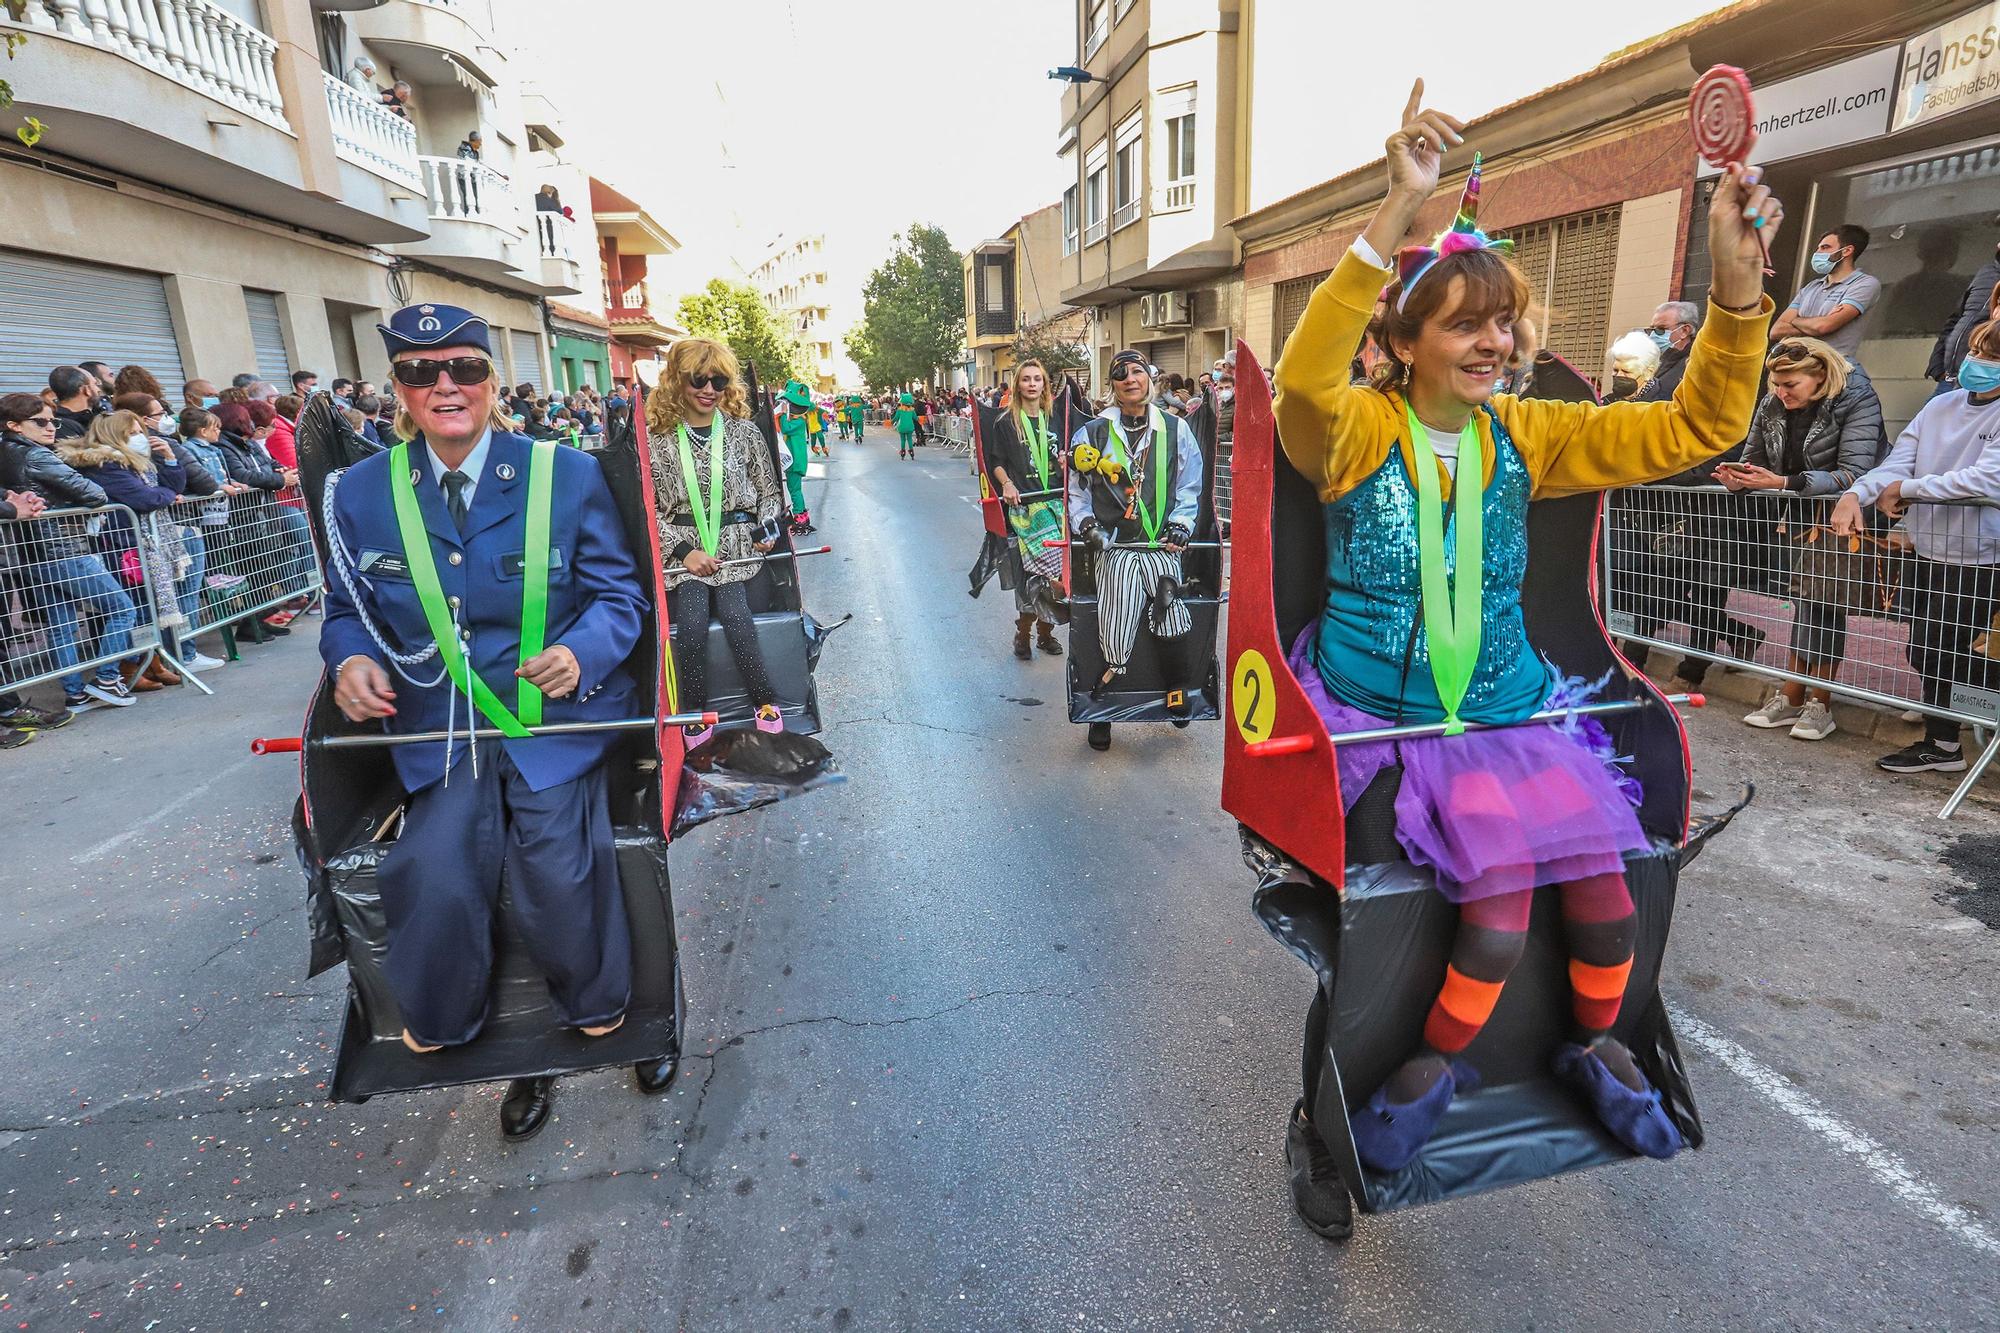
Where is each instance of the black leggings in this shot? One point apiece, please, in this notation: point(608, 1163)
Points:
point(694, 604)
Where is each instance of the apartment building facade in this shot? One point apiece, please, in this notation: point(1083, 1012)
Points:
point(1152, 147)
point(796, 280)
point(628, 239)
point(1012, 298)
point(220, 188)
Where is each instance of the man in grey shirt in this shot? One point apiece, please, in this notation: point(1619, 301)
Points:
point(1830, 307)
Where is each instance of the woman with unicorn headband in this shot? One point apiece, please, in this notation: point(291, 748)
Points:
point(1422, 619)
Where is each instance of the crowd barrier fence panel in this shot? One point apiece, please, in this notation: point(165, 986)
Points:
point(257, 554)
point(1901, 616)
point(60, 609)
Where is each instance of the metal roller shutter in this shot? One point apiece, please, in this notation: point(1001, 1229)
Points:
point(1170, 355)
point(526, 349)
point(267, 335)
point(1290, 307)
point(1569, 264)
point(54, 312)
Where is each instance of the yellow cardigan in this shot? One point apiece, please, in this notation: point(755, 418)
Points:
point(1338, 434)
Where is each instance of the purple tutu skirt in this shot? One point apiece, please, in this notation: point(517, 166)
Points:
point(1493, 812)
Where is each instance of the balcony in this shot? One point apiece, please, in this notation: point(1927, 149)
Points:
point(370, 135)
point(186, 94)
point(1177, 197)
point(430, 41)
point(1125, 215)
point(632, 319)
point(1094, 233)
point(477, 226)
point(555, 241)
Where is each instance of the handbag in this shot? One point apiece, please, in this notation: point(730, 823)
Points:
point(130, 568)
point(1862, 573)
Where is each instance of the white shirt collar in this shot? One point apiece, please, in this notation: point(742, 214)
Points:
point(474, 465)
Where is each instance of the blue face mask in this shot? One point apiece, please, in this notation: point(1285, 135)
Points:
point(1822, 262)
point(1979, 376)
point(1661, 338)
point(210, 401)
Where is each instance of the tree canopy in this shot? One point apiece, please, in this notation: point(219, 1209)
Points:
point(913, 311)
point(734, 313)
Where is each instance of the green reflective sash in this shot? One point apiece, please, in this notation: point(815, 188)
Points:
point(1451, 618)
point(534, 585)
point(1154, 519)
point(1035, 430)
point(707, 508)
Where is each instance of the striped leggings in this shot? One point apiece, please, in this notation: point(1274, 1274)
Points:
point(1126, 581)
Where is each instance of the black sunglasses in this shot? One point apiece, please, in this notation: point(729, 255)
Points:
point(423, 373)
point(40, 421)
point(715, 382)
point(1124, 370)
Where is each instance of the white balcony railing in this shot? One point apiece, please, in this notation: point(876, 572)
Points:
point(370, 135)
point(1094, 232)
point(1100, 28)
point(1177, 196)
point(1125, 215)
point(463, 190)
point(195, 43)
point(556, 235)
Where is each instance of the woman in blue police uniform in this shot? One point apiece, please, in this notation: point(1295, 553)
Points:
point(427, 634)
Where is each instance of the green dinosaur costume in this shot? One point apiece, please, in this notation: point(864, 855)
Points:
point(906, 426)
point(798, 441)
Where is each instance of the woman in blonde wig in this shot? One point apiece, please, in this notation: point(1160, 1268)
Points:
point(1024, 461)
point(717, 502)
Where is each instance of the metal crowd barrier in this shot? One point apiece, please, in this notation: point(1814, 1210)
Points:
point(70, 602)
point(1901, 616)
point(255, 553)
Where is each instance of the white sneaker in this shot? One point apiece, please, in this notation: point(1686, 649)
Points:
point(114, 694)
point(202, 662)
point(1912, 715)
point(1778, 711)
point(1815, 722)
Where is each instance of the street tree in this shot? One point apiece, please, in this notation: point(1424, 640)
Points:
point(913, 309)
point(1056, 343)
point(736, 314)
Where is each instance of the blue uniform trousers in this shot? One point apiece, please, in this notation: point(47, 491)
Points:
point(440, 887)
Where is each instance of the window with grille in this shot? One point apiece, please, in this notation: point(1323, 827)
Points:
point(1095, 174)
point(1569, 263)
point(1096, 26)
point(1125, 173)
point(1290, 306)
point(1180, 147)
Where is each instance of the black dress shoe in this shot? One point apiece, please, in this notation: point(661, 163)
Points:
point(656, 1076)
point(1317, 1194)
point(1100, 735)
point(526, 1108)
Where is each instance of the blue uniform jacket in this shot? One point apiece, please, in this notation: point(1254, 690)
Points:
point(596, 600)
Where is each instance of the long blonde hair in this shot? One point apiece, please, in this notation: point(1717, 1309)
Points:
point(669, 405)
point(113, 431)
point(1814, 357)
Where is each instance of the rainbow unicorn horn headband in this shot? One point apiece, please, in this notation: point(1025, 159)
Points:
point(1414, 261)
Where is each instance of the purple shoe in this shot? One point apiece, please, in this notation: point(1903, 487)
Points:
point(1635, 1119)
point(1388, 1135)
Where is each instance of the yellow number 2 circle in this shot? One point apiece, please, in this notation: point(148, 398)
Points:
point(1253, 698)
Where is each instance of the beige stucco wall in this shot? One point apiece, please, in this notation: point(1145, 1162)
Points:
point(1644, 273)
point(208, 256)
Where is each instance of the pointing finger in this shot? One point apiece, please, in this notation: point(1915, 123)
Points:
point(1416, 101)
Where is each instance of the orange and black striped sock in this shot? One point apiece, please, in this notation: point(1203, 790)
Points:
point(1601, 927)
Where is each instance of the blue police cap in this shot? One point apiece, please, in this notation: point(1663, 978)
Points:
point(416, 327)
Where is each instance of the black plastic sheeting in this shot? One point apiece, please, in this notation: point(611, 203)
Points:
point(791, 643)
point(1140, 694)
point(1379, 951)
point(522, 1037)
point(742, 770)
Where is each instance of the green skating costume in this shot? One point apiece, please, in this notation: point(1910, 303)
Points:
point(906, 425)
point(798, 441)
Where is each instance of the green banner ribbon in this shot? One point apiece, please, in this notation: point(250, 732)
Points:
point(1154, 519)
point(1037, 436)
point(707, 508)
point(1451, 616)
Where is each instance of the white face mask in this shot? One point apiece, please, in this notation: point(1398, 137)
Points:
point(139, 441)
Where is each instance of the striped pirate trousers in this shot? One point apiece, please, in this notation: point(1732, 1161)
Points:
point(1126, 581)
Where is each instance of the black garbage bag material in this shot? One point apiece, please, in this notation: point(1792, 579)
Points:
point(992, 560)
point(1378, 951)
point(521, 1038)
point(1139, 695)
point(743, 770)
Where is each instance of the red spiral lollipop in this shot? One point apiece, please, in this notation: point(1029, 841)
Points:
point(1720, 114)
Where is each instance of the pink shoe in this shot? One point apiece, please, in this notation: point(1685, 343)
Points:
point(697, 736)
point(770, 719)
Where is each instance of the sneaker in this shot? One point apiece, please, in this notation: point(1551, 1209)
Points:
point(1778, 711)
point(80, 703)
point(28, 718)
point(1911, 715)
point(14, 738)
point(1924, 756)
point(110, 692)
point(1815, 722)
point(202, 662)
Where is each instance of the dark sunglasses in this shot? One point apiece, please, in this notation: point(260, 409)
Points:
point(715, 382)
point(423, 373)
point(1124, 370)
point(41, 421)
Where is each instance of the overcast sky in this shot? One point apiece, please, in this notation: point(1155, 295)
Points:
point(740, 120)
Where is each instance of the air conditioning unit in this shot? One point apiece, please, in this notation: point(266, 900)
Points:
point(1172, 309)
point(1149, 311)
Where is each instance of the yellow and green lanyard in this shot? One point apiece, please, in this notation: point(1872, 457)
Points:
point(707, 509)
point(1451, 607)
point(1035, 430)
point(1152, 520)
point(534, 586)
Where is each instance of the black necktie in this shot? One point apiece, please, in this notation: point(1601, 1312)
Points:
point(455, 483)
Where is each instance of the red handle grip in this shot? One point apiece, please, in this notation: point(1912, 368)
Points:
point(1278, 745)
point(277, 745)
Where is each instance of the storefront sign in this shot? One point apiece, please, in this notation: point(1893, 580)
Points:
point(1828, 107)
point(1953, 67)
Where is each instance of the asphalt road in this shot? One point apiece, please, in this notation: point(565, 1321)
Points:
point(986, 1038)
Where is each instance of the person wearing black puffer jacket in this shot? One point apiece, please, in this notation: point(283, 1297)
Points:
point(247, 539)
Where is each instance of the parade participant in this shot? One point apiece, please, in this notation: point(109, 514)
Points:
point(797, 429)
point(1135, 482)
point(716, 498)
point(840, 414)
point(497, 606)
point(1022, 453)
point(1493, 813)
point(905, 421)
point(816, 427)
point(857, 414)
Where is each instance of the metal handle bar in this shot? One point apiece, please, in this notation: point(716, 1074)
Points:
point(293, 744)
point(1298, 744)
point(1054, 542)
point(773, 555)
